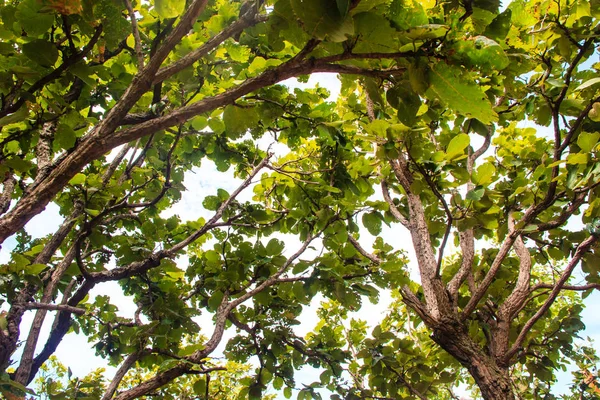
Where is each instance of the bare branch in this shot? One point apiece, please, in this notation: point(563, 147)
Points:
point(238, 26)
point(467, 246)
point(580, 288)
point(136, 34)
point(221, 209)
point(393, 209)
point(157, 381)
point(8, 185)
point(60, 327)
point(565, 214)
point(273, 278)
point(43, 148)
point(466, 238)
point(54, 307)
point(24, 371)
point(406, 383)
point(558, 286)
point(125, 366)
point(519, 294)
point(115, 163)
point(374, 259)
point(436, 297)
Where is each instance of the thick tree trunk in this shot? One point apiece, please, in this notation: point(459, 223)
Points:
point(492, 380)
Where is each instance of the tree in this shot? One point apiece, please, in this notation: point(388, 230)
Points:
point(106, 106)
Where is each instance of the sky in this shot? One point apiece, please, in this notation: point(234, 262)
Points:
point(207, 180)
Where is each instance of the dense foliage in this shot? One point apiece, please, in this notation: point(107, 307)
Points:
point(468, 129)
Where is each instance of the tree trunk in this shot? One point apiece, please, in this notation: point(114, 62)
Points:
point(492, 380)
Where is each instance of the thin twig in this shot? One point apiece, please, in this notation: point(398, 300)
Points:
point(136, 34)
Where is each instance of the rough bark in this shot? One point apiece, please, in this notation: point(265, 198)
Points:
point(493, 380)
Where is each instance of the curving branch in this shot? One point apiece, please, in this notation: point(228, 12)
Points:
point(136, 34)
point(467, 237)
point(517, 298)
point(372, 257)
point(393, 209)
point(246, 21)
point(558, 287)
point(125, 366)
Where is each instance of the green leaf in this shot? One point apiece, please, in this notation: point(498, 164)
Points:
point(238, 120)
point(488, 5)
point(211, 203)
point(64, 138)
point(215, 300)
point(587, 141)
point(407, 102)
point(287, 392)
point(78, 179)
point(457, 146)
point(577, 158)
point(378, 128)
point(322, 19)
point(375, 33)
point(200, 387)
point(418, 75)
point(477, 126)
point(18, 164)
point(475, 194)
point(274, 247)
point(169, 8)
point(484, 174)
point(35, 22)
point(199, 123)
point(343, 7)
point(587, 84)
point(35, 269)
point(42, 52)
point(212, 257)
point(450, 85)
point(481, 51)
point(406, 15)
point(222, 194)
point(148, 228)
point(427, 32)
point(499, 27)
point(372, 221)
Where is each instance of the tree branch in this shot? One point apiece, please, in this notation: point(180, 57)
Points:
point(393, 209)
point(512, 304)
point(136, 34)
point(8, 185)
point(374, 259)
point(123, 368)
point(238, 26)
point(579, 288)
point(558, 286)
point(54, 307)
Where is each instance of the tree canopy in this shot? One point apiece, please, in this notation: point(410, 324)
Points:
point(469, 127)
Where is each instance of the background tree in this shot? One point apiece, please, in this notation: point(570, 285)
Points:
point(107, 105)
